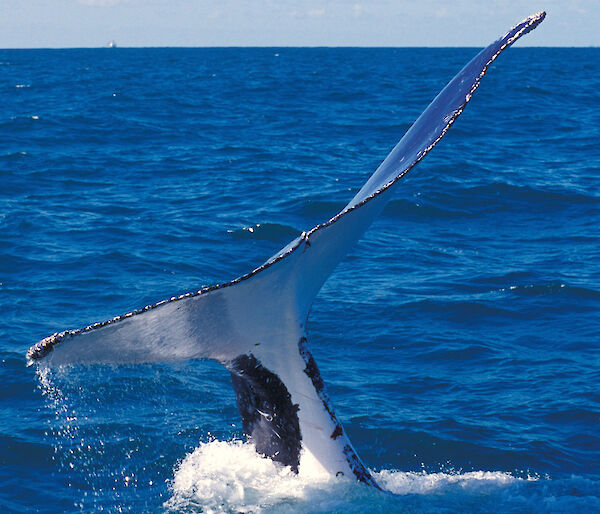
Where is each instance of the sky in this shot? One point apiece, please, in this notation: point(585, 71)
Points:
point(93, 23)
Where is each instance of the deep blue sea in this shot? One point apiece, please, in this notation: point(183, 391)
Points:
point(460, 340)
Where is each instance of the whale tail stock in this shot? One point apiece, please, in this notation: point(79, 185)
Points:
point(255, 325)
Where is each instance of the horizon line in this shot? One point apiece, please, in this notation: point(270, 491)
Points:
point(274, 47)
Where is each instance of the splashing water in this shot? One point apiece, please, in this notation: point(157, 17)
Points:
point(221, 476)
point(229, 476)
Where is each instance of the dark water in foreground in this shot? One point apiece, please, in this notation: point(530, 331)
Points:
point(459, 339)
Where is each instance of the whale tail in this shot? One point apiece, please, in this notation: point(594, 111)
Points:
point(255, 324)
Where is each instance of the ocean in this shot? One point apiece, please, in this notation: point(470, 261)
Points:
point(459, 340)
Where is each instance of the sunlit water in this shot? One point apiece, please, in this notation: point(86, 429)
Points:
point(459, 340)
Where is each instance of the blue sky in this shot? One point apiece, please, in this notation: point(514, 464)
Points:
point(92, 23)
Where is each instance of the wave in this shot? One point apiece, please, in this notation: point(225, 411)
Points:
point(552, 288)
point(466, 201)
point(274, 232)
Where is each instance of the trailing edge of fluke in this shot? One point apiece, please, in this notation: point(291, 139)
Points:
point(255, 325)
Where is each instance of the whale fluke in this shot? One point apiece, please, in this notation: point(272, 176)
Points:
point(255, 325)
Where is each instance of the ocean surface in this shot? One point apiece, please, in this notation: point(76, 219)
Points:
point(459, 340)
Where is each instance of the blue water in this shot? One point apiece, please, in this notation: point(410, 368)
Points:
point(459, 340)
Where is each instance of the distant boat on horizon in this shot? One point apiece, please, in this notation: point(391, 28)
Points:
point(111, 44)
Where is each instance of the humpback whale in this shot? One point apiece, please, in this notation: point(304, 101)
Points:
point(255, 324)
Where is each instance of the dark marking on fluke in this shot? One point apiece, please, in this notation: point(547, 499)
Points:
point(312, 371)
point(358, 468)
point(269, 417)
point(337, 432)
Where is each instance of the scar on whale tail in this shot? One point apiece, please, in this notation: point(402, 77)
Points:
point(255, 324)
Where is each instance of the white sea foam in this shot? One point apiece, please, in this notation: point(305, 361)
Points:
point(232, 476)
point(399, 482)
